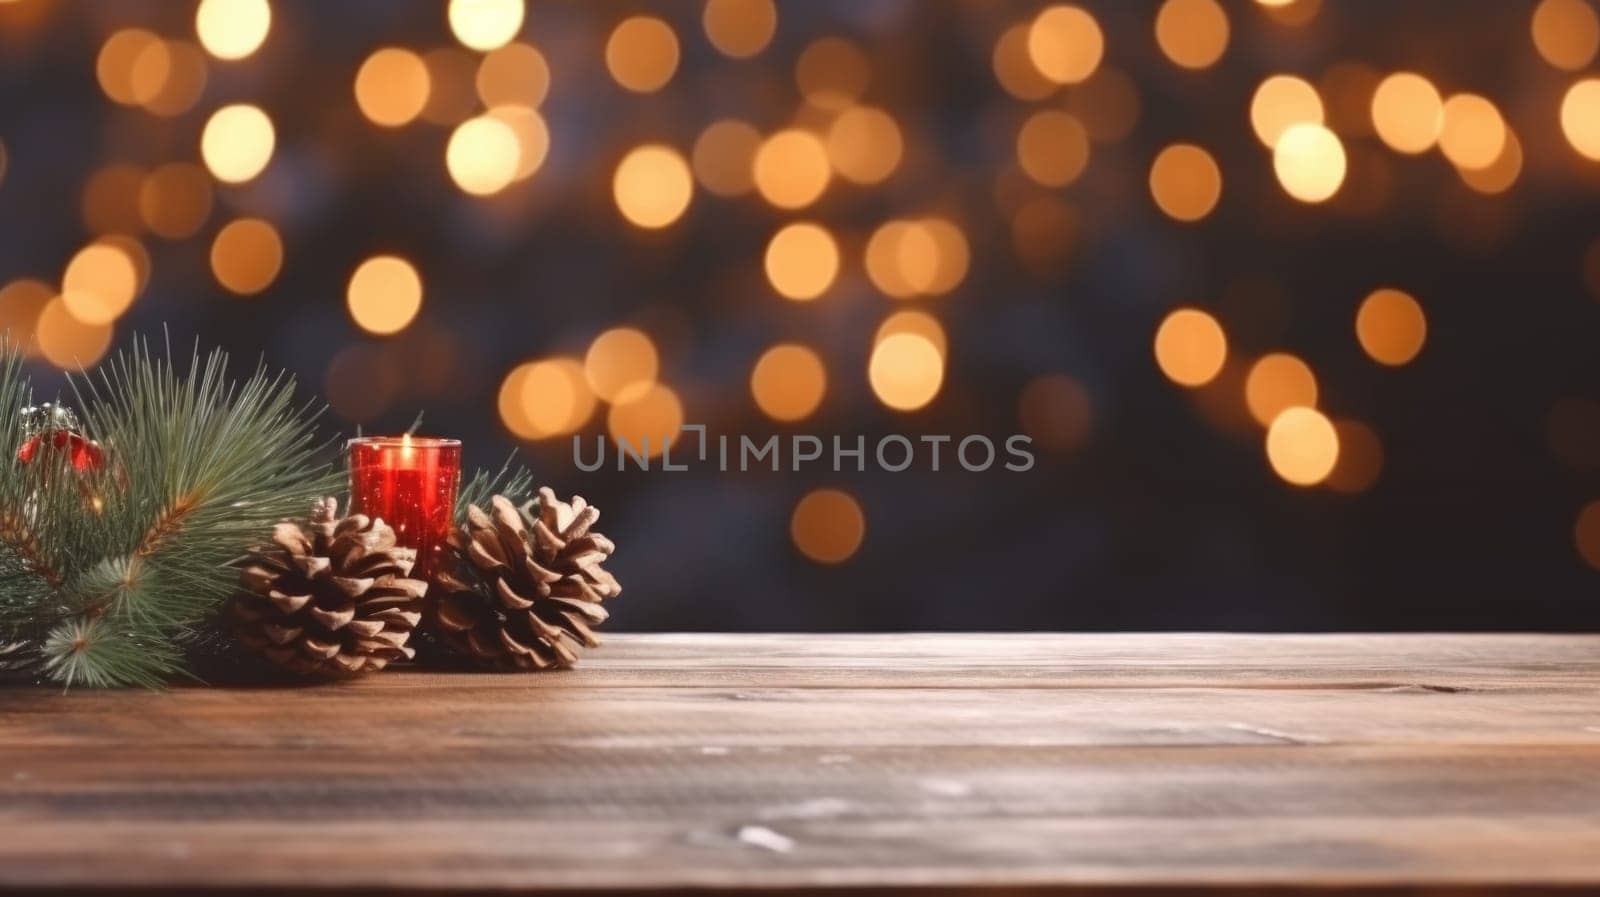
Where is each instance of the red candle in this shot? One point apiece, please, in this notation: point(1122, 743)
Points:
point(411, 483)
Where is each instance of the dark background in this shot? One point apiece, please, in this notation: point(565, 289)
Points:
point(1161, 519)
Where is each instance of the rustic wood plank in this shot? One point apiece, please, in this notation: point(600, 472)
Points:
point(825, 761)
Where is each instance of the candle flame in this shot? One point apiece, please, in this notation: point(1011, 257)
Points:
point(407, 450)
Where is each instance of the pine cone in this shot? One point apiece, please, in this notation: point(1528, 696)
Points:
point(523, 586)
point(330, 597)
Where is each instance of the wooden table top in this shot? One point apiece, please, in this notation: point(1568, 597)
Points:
point(824, 761)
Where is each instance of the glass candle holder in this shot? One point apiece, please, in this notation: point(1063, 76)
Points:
point(410, 482)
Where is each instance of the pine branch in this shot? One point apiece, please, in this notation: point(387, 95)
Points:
point(514, 482)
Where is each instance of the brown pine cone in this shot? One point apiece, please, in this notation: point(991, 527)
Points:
point(330, 597)
point(523, 586)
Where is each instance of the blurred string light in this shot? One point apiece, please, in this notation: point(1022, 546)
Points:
point(1580, 117)
point(802, 261)
point(1281, 101)
point(483, 155)
point(246, 256)
point(485, 25)
point(864, 145)
point(1292, 13)
point(1190, 347)
point(1310, 162)
point(788, 382)
point(1302, 446)
point(1473, 134)
point(545, 398)
point(1407, 113)
point(1055, 411)
point(1360, 460)
point(791, 168)
point(68, 342)
point(21, 301)
point(827, 526)
point(723, 156)
point(384, 295)
point(1566, 33)
point(621, 365)
point(740, 28)
point(237, 143)
point(906, 370)
point(642, 54)
point(832, 73)
point(1192, 33)
point(513, 75)
point(1065, 43)
point(1391, 326)
point(646, 422)
point(99, 284)
point(1185, 182)
point(652, 186)
point(232, 29)
point(912, 321)
point(175, 200)
point(1500, 174)
point(392, 87)
point(1053, 148)
point(917, 257)
point(1277, 382)
point(532, 135)
point(1586, 534)
point(1014, 68)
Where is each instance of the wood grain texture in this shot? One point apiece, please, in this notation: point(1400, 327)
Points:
point(955, 761)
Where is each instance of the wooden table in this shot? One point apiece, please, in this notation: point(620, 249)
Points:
point(822, 761)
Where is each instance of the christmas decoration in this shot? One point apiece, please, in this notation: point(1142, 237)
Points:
point(331, 597)
point(57, 427)
point(204, 464)
point(525, 584)
point(411, 482)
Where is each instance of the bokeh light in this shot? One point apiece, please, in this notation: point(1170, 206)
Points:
point(1586, 534)
point(67, 342)
point(246, 256)
point(906, 371)
point(917, 257)
point(1580, 117)
point(392, 87)
point(1190, 347)
point(1281, 101)
point(237, 143)
point(864, 145)
point(1302, 446)
point(1309, 161)
point(169, 76)
point(1360, 462)
point(175, 200)
point(485, 25)
point(1474, 134)
point(1407, 112)
point(1014, 68)
point(1053, 148)
point(791, 168)
point(483, 155)
point(545, 398)
point(1192, 33)
point(724, 155)
point(621, 364)
point(1055, 411)
point(802, 261)
point(533, 137)
point(642, 54)
point(1065, 43)
point(740, 28)
point(788, 382)
point(232, 29)
point(1566, 33)
point(827, 526)
point(648, 421)
point(384, 295)
point(452, 86)
point(514, 75)
point(1502, 173)
point(21, 301)
point(100, 283)
point(912, 321)
point(1185, 182)
point(832, 73)
point(1391, 326)
point(652, 186)
point(1277, 382)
